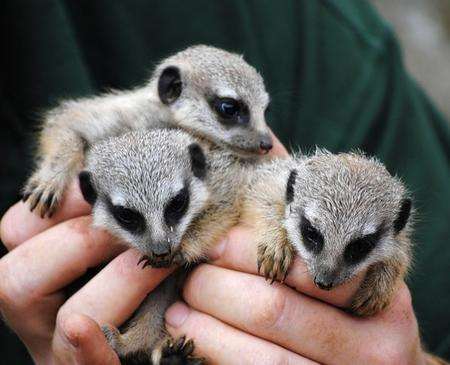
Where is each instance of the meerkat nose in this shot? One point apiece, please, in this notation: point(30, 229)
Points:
point(266, 144)
point(161, 250)
point(323, 285)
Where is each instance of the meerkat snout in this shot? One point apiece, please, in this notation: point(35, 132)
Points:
point(161, 249)
point(323, 283)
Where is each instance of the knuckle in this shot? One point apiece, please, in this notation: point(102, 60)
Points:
point(11, 294)
point(8, 231)
point(386, 352)
point(73, 326)
point(401, 313)
point(81, 228)
point(281, 359)
point(271, 309)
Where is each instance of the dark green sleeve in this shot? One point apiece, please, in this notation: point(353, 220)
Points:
point(333, 68)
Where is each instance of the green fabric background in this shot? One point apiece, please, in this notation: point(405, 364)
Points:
point(333, 68)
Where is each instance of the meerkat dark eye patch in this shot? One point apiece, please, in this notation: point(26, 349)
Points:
point(312, 238)
point(129, 219)
point(290, 186)
point(177, 207)
point(169, 85)
point(198, 160)
point(86, 187)
point(359, 248)
point(231, 111)
point(403, 215)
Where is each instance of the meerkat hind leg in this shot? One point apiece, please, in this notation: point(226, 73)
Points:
point(144, 336)
point(178, 352)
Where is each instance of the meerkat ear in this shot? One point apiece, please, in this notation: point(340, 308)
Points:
point(198, 160)
point(290, 186)
point(403, 215)
point(86, 187)
point(169, 85)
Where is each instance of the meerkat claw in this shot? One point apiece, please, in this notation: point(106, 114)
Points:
point(143, 258)
point(179, 352)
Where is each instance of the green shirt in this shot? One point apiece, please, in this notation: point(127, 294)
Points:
point(333, 68)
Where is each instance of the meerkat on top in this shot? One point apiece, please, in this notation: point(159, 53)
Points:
point(212, 93)
point(171, 196)
point(342, 214)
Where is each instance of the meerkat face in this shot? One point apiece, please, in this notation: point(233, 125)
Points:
point(146, 188)
point(216, 95)
point(344, 212)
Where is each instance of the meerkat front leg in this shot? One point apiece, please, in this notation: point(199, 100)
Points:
point(206, 231)
point(70, 128)
point(275, 253)
point(62, 155)
point(377, 288)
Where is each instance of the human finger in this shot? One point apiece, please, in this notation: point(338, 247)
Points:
point(79, 340)
point(220, 343)
point(237, 251)
point(275, 313)
point(116, 291)
point(19, 224)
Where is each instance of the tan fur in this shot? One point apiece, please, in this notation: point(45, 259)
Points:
point(263, 211)
point(207, 230)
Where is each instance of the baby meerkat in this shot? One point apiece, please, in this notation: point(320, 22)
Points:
point(343, 214)
point(211, 93)
point(172, 197)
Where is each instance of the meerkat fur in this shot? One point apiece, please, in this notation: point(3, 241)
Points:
point(342, 214)
point(211, 93)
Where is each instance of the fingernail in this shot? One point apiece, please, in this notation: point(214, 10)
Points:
point(177, 314)
point(218, 249)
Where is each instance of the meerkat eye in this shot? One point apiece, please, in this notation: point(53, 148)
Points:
point(129, 219)
point(231, 110)
point(177, 207)
point(359, 248)
point(312, 238)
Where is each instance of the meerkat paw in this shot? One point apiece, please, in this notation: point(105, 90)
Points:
point(156, 261)
point(274, 261)
point(176, 353)
point(368, 303)
point(44, 192)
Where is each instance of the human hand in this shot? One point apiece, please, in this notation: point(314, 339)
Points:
point(232, 313)
point(47, 255)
